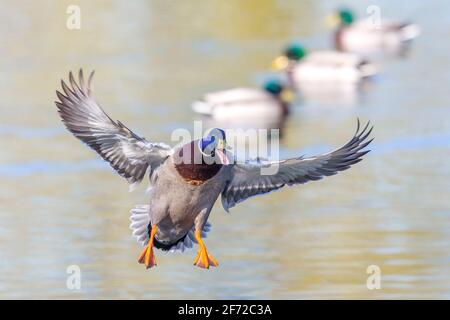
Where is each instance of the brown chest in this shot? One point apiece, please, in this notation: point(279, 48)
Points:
point(192, 167)
point(197, 174)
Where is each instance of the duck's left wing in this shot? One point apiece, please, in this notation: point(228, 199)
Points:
point(247, 180)
point(129, 154)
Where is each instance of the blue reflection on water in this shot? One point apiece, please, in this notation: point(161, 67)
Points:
point(24, 132)
point(58, 167)
point(47, 167)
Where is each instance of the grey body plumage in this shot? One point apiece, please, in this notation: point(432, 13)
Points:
point(176, 206)
point(180, 206)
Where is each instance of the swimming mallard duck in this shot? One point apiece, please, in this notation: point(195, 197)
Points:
point(243, 104)
point(187, 180)
point(368, 37)
point(322, 68)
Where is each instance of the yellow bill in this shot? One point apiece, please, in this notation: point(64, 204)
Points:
point(332, 20)
point(287, 95)
point(221, 144)
point(280, 63)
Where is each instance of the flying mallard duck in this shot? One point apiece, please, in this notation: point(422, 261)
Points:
point(186, 181)
point(368, 37)
point(322, 68)
point(246, 104)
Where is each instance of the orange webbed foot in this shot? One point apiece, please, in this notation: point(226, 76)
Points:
point(148, 255)
point(204, 259)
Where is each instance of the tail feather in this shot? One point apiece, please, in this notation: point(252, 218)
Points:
point(140, 225)
point(410, 31)
point(367, 69)
point(140, 220)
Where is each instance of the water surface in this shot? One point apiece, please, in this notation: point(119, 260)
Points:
point(60, 205)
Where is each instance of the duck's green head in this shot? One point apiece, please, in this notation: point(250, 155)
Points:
point(276, 88)
point(343, 17)
point(346, 16)
point(273, 86)
point(293, 53)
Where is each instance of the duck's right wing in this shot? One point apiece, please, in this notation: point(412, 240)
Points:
point(129, 154)
point(246, 180)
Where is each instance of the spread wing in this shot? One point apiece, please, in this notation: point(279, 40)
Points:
point(247, 181)
point(129, 154)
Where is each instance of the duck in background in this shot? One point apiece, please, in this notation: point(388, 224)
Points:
point(242, 107)
point(369, 37)
point(323, 72)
